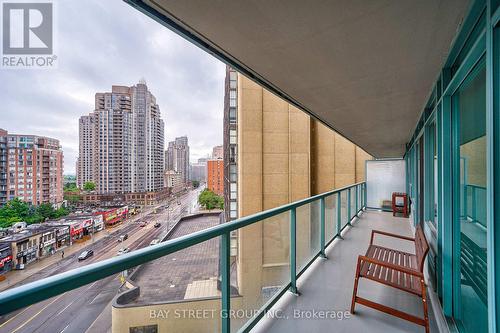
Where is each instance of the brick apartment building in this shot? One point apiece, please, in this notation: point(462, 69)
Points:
point(215, 176)
point(31, 169)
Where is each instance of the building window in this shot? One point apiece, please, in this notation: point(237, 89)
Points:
point(232, 76)
point(232, 102)
point(232, 115)
point(232, 137)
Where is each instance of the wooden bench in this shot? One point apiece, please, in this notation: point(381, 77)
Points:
point(396, 269)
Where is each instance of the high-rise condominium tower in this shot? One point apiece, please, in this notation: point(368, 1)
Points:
point(121, 142)
point(31, 169)
point(177, 157)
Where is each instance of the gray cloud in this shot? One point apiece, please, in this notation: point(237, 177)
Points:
point(101, 43)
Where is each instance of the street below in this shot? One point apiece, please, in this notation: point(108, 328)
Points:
point(77, 310)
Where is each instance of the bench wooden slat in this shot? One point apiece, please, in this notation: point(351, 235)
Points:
point(401, 279)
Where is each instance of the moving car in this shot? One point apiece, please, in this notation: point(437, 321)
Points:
point(123, 251)
point(85, 254)
point(154, 242)
point(157, 224)
point(123, 237)
point(143, 224)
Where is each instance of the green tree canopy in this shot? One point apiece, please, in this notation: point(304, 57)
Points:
point(89, 186)
point(210, 200)
point(71, 187)
point(16, 211)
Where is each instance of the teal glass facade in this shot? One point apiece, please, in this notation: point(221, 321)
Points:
point(453, 175)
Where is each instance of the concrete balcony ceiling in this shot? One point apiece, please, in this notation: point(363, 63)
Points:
point(365, 68)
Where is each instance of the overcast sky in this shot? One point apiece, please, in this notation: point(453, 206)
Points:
point(101, 43)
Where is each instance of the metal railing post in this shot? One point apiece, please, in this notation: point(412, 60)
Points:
point(225, 281)
point(364, 196)
point(356, 201)
point(293, 250)
point(473, 203)
point(322, 227)
point(349, 216)
point(339, 213)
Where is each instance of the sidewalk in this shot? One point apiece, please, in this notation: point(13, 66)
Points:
point(16, 276)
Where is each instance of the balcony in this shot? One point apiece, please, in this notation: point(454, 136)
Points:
point(414, 81)
point(309, 230)
point(328, 285)
point(306, 228)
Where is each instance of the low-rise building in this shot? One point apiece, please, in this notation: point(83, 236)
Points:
point(173, 181)
point(112, 200)
point(47, 240)
point(185, 284)
point(62, 236)
point(5, 257)
point(24, 246)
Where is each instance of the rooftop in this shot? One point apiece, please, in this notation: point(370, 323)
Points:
point(190, 273)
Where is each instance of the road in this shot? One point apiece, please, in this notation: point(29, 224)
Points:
point(75, 311)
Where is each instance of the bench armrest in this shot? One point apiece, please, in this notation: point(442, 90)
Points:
point(391, 266)
point(411, 239)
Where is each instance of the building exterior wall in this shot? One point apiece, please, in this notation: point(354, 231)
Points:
point(215, 176)
point(31, 169)
point(122, 142)
point(230, 144)
point(173, 181)
point(283, 155)
point(218, 152)
point(199, 172)
point(4, 180)
point(177, 157)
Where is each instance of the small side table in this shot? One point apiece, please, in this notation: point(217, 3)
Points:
point(399, 203)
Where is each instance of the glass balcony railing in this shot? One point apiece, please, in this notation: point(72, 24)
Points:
point(292, 236)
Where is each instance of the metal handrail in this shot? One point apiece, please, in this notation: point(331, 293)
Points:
point(33, 292)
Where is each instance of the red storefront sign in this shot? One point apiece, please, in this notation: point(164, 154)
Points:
point(87, 223)
point(5, 260)
point(76, 228)
point(114, 215)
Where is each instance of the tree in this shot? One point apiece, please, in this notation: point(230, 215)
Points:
point(89, 186)
point(195, 183)
point(16, 211)
point(45, 210)
point(70, 187)
point(210, 200)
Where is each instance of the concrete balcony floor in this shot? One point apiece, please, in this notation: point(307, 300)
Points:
point(328, 284)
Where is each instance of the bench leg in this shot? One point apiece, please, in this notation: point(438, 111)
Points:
point(424, 302)
point(355, 289)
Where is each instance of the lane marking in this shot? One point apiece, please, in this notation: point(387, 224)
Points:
point(92, 284)
point(94, 298)
point(20, 313)
point(64, 329)
point(67, 306)
point(33, 317)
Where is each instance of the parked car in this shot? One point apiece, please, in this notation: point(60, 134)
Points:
point(154, 241)
point(157, 225)
point(123, 237)
point(85, 254)
point(123, 251)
